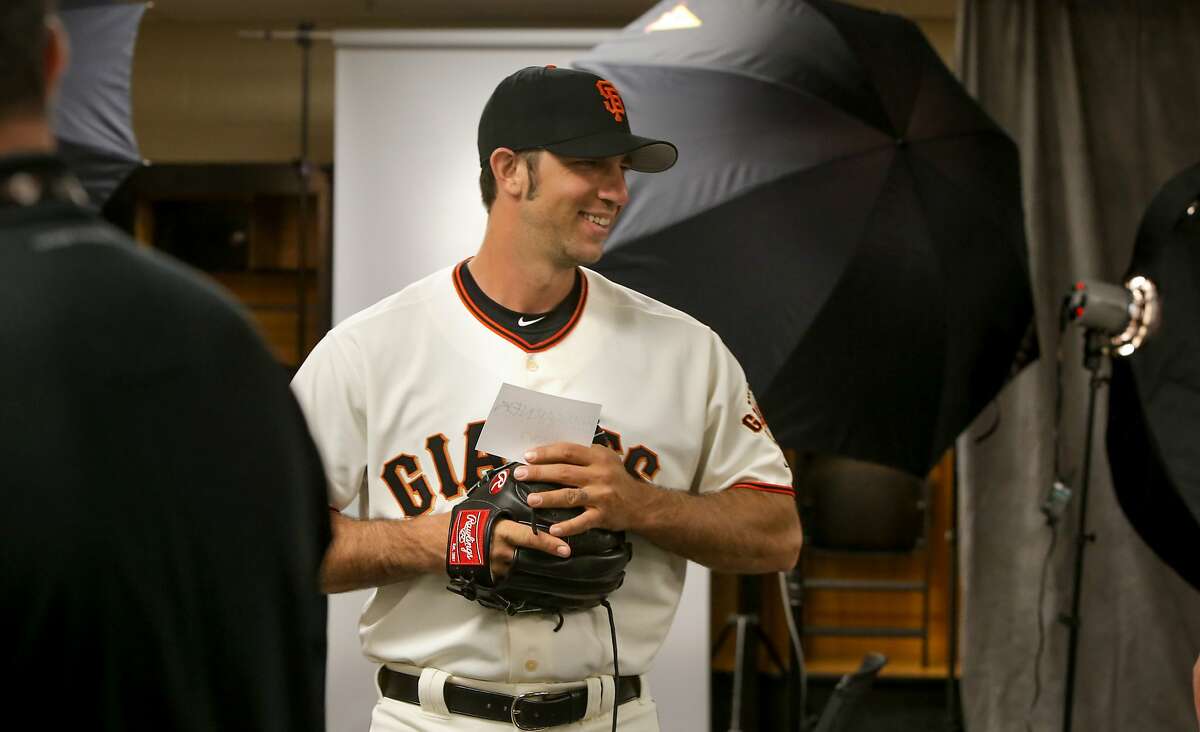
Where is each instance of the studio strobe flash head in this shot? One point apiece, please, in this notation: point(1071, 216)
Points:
point(1124, 314)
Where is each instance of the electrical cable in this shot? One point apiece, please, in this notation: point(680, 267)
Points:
point(612, 627)
point(1041, 626)
point(1064, 315)
point(1052, 508)
point(991, 430)
point(1026, 353)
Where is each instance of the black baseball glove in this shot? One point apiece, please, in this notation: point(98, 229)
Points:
point(537, 581)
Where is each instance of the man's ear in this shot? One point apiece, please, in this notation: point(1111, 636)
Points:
point(508, 171)
point(55, 55)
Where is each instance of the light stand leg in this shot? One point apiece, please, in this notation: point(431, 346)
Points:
point(741, 675)
point(745, 664)
point(793, 587)
point(748, 633)
point(1093, 358)
point(953, 713)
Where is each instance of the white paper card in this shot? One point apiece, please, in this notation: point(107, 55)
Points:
point(522, 419)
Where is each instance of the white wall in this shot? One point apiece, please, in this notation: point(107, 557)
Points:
point(407, 108)
point(406, 203)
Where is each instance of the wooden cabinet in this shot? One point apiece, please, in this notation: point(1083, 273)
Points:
point(243, 225)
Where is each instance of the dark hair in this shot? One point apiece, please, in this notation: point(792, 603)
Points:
point(22, 66)
point(487, 180)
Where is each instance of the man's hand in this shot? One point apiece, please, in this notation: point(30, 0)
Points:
point(731, 530)
point(509, 535)
point(486, 565)
point(596, 481)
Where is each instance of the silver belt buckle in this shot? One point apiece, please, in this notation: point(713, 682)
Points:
point(512, 711)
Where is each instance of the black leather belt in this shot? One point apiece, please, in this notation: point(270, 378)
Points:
point(536, 710)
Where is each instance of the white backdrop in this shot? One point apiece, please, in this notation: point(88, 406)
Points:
point(406, 202)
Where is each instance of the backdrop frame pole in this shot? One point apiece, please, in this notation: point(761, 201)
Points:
point(304, 173)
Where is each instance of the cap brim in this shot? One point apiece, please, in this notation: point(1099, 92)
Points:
point(645, 155)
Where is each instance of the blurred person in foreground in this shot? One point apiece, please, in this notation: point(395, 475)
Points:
point(163, 516)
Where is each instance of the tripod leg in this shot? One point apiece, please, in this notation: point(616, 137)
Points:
point(722, 636)
point(776, 659)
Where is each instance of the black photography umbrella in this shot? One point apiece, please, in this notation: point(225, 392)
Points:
point(842, 213)
point(1154, 399)
point(92, 115)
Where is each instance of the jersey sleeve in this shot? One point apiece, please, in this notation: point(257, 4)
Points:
point(329, 388)
point(739, 450)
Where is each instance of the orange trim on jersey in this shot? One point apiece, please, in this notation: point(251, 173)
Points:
point(785, 490)
point(507, 334)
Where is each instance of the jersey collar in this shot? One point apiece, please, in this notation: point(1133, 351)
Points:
point(487, 312)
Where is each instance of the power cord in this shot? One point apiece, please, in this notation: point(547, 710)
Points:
point(1041, 626)
point(612, 627)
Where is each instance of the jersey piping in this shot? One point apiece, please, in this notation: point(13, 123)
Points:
point(785, 490)
point(509, 335)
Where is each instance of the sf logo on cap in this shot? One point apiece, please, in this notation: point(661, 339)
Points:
point(612, 100)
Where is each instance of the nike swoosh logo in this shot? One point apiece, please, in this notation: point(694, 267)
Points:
point(522, 322)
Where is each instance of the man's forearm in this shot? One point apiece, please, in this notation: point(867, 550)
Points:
point(380, 552)
point(736, 530)
point(1196, 688)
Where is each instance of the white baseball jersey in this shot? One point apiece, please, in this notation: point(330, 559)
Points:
point(396, 396)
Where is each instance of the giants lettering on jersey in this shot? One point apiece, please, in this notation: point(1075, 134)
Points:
point(406, 478)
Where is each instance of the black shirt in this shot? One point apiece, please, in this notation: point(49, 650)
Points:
point(163, 510)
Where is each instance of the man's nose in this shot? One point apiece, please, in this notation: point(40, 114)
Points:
point(615, 189)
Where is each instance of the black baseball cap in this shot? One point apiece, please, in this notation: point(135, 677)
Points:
point(568, 112)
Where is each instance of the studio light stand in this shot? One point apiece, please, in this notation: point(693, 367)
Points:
point(1116, 320)
point(746, 625)
point(1096, 359)
point(791, 587)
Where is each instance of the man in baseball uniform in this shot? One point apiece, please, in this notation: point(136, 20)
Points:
point(397, 394)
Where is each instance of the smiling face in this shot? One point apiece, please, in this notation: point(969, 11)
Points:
point(573, 208)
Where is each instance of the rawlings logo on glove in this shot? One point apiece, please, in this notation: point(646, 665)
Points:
point(536, 582)
point(466, 538)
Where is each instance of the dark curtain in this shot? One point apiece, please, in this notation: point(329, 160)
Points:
point(1103, 99)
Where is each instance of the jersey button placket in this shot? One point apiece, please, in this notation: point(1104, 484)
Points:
point(529, 639)
point(539, 370)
